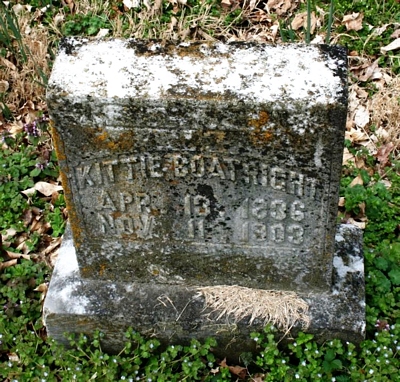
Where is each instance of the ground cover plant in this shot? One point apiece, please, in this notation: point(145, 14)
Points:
point(33, 213)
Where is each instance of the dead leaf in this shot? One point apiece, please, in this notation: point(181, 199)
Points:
point(348, 157)
point(7, 264)
point(392, 46)
point(258, 378)
point(318, 39)
point(361, 118)
point(4, 86)
point(42, 288)
point(52, 246)
point(358, 224)
point(300, 20)
point(383, 154)
point(27, 217)
point(13, 357)
point(58, 19)
point(71, 5)
point(103, 32)
point(342, 201)
point(370, 70)
point(240, 371)
point(157, 5)
point(356, 180)
point(47, 189)
point(131, 3)
point(18, 8)
point(7, 64)
point(395, 34)
point(14, 255)
point(9, 233)
point(280, 6)
point(353, 22)
point(227, 3)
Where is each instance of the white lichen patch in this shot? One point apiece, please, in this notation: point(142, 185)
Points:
point(69, 297)
point(259, 73)
point(355, 265)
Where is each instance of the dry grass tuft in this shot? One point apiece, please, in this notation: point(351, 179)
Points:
point(385, 107)
point(280, 308)
point(25, 78)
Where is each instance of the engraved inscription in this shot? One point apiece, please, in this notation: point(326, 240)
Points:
point(177, 165)
point(125, 213)
point(124, 208)
point(275, 221)
point(196, 208)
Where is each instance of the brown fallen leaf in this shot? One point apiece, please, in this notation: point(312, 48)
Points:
point(383, 154)
point(369, 71)
point(71, 5)
point(395, 34)
point(4, 86)
point(356, 180)
point(7, 264)
point(128, 4)
point(358, 224)
point(14, 255)
point(348, 157)
point(300, 20)
point(354, 21)
point(392, 46)
point(13, 357)
point(215, 371)
point(361, 117)
point(239, 371)
point(157, 5)
point(280, 6)
point(227, 3)
point(42, 288)
point(44, 188)
point(7, 64)
point(55, 243)
point(27, 217)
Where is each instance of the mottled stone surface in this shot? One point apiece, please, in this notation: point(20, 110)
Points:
point(175, 313)
point(201, 164)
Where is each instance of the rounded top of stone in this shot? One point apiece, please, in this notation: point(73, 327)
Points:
point(116, 68)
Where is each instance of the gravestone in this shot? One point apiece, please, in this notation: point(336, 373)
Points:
point(199, 165)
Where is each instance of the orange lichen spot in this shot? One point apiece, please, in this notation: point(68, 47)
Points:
point(102, 137)
point(258, 135)
point(102, 269)
point(261, 121)
point(72, 213)
point(155, 212)
point(102, 140)
point(58, 143)
point(116, 214)
point(219, 135)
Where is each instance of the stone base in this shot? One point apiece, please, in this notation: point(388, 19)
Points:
point(175, 313)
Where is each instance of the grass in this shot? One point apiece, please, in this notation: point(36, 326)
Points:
point(32, 223)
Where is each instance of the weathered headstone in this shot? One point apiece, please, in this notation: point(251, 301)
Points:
point(196, 165)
